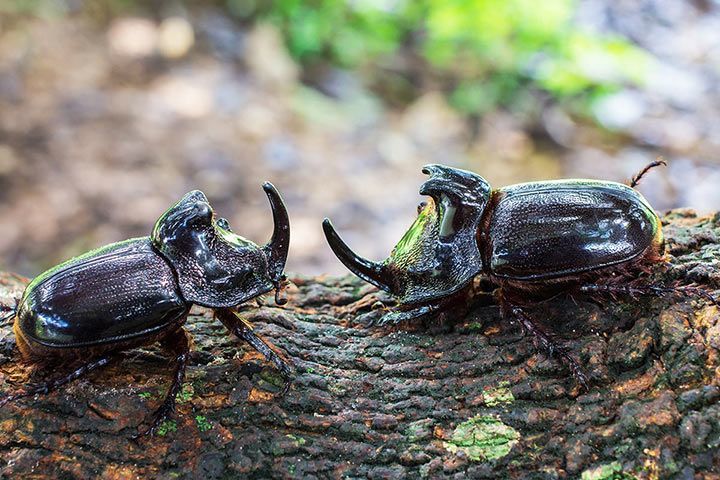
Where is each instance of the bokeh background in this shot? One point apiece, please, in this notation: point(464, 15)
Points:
point(110, 110)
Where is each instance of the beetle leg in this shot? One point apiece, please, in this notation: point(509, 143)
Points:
point(458, 302)
point(543, 341)
point(244, 330)
point(179, 343)
point(8, 313)
point(57, 382)
point(6, 318)
point(688, 291)
point(398, 316)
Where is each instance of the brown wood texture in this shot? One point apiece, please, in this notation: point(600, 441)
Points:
point(466, 397)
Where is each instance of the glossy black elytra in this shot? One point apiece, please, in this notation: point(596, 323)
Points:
point(140, 291)
point(531, 240)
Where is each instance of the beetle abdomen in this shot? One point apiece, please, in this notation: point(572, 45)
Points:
point(117, 292)
point(545, 230)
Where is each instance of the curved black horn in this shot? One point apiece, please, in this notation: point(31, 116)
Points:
point(276, 250)
point(369, 271)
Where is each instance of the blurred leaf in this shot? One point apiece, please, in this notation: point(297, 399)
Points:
point(488, 49)
point(484, 53)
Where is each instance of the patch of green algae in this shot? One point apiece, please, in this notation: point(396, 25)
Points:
point(609, 471)
point(483, 437)
point(166, 427)
point(501, 395)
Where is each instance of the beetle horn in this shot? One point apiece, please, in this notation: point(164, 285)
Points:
point(276, 250)
point(369, 271)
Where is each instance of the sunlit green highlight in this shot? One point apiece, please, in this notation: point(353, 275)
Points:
point(415, 232)
point(609, 471)
point(233, 238)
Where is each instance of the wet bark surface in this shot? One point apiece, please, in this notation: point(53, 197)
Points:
point(465, 397)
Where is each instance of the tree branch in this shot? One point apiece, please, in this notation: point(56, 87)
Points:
point(470, 397)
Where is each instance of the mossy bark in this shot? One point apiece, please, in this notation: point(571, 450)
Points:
point(466, 398)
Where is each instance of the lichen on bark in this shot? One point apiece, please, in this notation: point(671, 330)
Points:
point(387, 402)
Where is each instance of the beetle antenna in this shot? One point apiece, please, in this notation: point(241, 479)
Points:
point(636, 178)
point(688, 291)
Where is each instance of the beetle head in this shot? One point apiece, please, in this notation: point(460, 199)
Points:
point(216, 267)
point(439, 254)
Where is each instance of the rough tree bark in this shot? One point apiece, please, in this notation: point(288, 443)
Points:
point(471, 399)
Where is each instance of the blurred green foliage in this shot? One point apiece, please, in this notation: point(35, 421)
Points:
point(36, 7)
point(482, 53)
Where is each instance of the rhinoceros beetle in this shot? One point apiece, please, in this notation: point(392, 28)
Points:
point(531, 240)
point(139, 291)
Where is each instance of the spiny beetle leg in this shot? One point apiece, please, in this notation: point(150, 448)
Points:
point(456, 305)
point(398, 316)
point(544, 343)
point(57, 382)
point(7, 314)
point(688, 291)
point(244, 330)
point(179, 343)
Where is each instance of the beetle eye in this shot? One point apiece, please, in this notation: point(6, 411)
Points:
point(224, 224)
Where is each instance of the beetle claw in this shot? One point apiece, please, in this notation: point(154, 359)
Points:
point(141, 434)
point(161, 415)
point(280, 285)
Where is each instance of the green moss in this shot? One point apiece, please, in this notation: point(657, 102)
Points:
point(336, 389)
point(609, 471)
point(273, 377)
point(475, 327)
point(203, 424)
point(623, 448)
point(185, 394)
point(145, 395)
point(166, 427)
point(299, 441)
point(500, 395)
point(483, 437)
point(419, 430)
